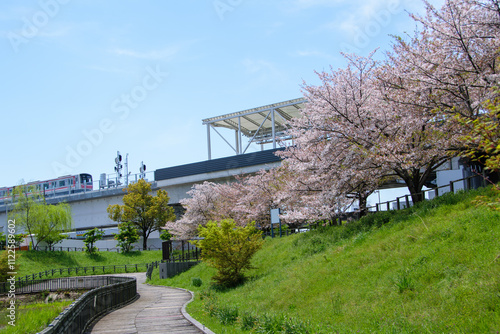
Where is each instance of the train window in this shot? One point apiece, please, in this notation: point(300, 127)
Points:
point(2, 193)
point(70, 181)
point(86, 178)
point(45, 186)
point(53, 184)
point(62, 183)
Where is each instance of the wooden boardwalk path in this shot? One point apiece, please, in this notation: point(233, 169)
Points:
point(158, 310)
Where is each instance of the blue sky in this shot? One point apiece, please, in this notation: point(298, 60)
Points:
point(82, 79)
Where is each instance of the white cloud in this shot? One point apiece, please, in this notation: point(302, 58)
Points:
point(258, 65)
point(301, 4)
point(164, 54)
point(109, 70)
point(313, 53)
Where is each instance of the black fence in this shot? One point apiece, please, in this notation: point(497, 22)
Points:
point(180, 251)
point(402, 202)
point(405, 201)
point(55, 284)
point(93, 270)
point(82, 249)
point(79, 315)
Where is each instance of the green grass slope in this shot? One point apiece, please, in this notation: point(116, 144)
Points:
point(36, 261)
point(433, 268)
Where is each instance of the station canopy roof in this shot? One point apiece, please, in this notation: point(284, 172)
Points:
point(257, 122)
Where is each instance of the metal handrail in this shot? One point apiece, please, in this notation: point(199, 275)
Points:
point(81, 313)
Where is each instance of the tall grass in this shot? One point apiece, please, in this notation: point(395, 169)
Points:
point(32, 318)
point(434, 267)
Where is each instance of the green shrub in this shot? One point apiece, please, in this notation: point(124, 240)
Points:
point(228, 249)
point(197, 282)
point(127, 236)
point(247, 321)
point(227, 315)
point(280, 324)
point(404, 282)
point(5, 268)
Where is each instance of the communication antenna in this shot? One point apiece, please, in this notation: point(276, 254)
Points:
point(127, 173)
point(118, 167)
point(142, 169)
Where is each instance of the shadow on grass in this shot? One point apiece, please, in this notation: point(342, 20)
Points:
point(53, 257)
point(132, 254)
point(96, 257)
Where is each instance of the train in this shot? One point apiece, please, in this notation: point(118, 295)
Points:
point(62, 185)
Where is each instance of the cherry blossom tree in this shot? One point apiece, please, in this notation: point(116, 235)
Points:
point(451, 63)
point(449, 67)
point(333, 140)
point(260, 193)
point(357, 130)
point(207, 201)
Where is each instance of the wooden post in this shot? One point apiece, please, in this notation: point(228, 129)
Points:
point(398, 205)
point(407, 201)
point(451, 187)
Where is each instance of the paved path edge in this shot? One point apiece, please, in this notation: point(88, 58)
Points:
point(186, 315)
point(96, 319)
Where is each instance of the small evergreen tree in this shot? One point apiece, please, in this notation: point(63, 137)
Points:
point(54, 238)
point(91, 237)
point(127, 236)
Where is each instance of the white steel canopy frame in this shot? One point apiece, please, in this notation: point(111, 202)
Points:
point(262, 125)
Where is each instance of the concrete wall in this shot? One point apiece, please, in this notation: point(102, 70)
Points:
point(89, 209)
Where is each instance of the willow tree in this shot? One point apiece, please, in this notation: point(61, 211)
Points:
point(42, 222)
point(147, 212)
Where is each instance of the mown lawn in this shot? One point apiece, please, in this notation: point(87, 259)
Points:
point(36, 261)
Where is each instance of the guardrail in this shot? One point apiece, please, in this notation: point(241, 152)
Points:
point(80, 314)
point(82, 249)
point(94, 270)
point(405, 202)
point(55, 284)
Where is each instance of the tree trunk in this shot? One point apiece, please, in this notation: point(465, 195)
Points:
point(144, 241)
point(362, 205)
point(415, 191)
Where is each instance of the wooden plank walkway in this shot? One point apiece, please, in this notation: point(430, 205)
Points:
point(158, 310)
